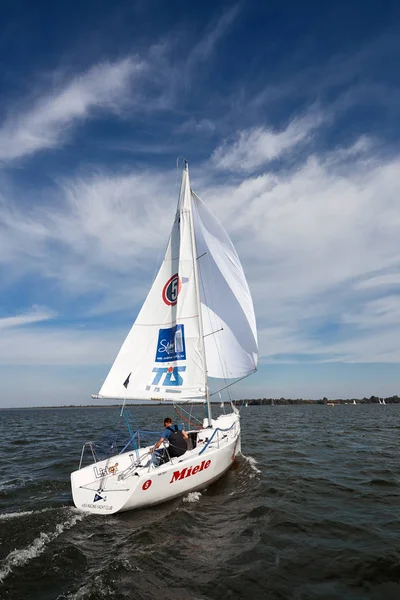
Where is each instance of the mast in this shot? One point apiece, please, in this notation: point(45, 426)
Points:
point(196, 279)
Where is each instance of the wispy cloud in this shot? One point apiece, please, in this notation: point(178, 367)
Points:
point(205, 46)
point(194, 126)
point(149, 83)
point(386, 280)
point(46, 124)
point(37, 315)
point(318, 237)
point(346, 77)
point(307, 236)
point(257, 146)
point(100, 234)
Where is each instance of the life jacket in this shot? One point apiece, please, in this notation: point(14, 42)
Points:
point(177, 443)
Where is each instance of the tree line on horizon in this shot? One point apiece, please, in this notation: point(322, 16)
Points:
point(283, 401)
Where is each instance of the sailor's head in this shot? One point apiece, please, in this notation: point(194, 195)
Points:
point(167, 421)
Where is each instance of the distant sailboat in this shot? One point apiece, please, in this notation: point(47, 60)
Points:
point(196, 322)
point(354, 402)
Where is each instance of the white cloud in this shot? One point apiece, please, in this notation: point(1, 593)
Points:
point(376, 313)
point(45, 119)
point(46, 124)
point(200, 126)
point(37, 315)
point(255, 147)
point(205, 46)
point(385, 280)
point(308, 238)
point(103, 234)
point(305, 236)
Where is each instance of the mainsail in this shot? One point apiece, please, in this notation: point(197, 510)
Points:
point(197, 320)
point(162, 356)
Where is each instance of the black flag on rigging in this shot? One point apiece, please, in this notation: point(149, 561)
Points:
point(126, 382)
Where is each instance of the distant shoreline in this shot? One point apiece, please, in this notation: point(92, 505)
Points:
point(246, 401)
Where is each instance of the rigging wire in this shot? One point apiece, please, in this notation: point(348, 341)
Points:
point(188, 420)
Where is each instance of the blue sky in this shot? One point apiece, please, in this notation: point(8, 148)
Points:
point(288, 113)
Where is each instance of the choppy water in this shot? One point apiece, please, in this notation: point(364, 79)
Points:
point(311, 512)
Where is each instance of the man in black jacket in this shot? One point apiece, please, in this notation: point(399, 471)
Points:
point(176, 436)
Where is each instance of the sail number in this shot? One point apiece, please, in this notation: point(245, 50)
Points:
point(171, 290)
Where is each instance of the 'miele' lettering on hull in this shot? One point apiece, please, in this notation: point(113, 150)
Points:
point(187, 472)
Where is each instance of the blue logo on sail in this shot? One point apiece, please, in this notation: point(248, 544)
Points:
point(171, 344)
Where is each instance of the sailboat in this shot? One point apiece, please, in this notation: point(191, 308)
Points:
point(196, 323)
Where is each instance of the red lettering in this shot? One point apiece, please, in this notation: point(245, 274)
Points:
point(187, 472)
point(178, 475)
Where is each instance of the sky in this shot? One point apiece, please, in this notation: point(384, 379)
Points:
point(288, 113)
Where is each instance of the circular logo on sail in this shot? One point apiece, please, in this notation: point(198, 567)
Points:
point(171, 290)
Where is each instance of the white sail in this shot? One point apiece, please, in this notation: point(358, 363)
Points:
point(229, 323)
point(163, 354)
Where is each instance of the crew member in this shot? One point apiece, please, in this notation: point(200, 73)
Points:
point(176, 436)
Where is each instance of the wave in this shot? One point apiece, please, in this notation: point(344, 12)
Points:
point(192, 497)
point(23, 513)
point(12, 484)
point(252, 462)
point(18, 558)
point(99, 585)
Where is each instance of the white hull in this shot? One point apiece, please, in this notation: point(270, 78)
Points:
point(130, 480)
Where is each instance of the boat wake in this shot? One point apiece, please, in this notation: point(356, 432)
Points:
point(252, 463)
point(192, 497)
point(19, 558)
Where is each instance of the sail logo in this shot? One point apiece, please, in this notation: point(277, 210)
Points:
point(168, 376)
point(188, 472)
point(171, 290)
point(171, 344)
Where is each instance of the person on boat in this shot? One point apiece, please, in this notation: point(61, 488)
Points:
point(177, 438)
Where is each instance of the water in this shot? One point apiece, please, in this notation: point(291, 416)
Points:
point(310, 512)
